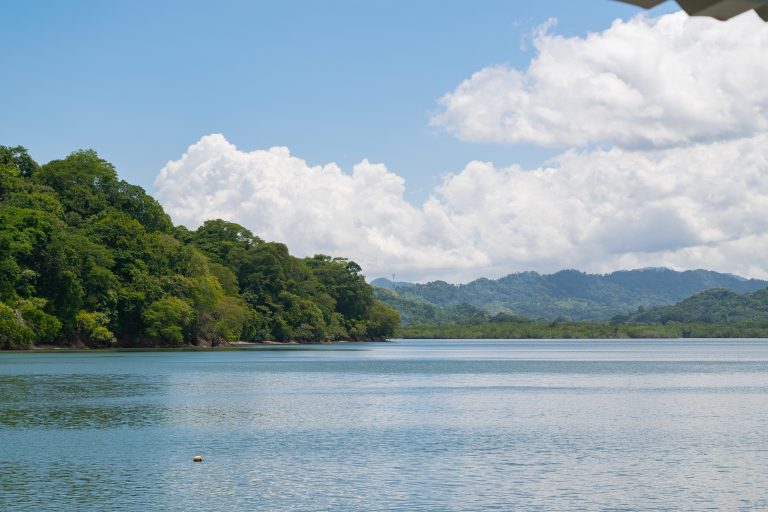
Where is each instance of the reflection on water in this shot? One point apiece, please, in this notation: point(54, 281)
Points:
point(77, 401)
point(412, 426)
point(73, 416)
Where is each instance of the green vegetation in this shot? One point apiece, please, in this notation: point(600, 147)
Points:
point(567, 294)
point(716, 306)
point(90, 260)
point(416, 310)
point(581, 330)
point(716, 313)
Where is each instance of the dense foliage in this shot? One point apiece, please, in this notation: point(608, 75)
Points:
point(581, 330)
point(716, 313)
point(88, 259)
point(716, 306)
point(416, 310)
point(567, 294)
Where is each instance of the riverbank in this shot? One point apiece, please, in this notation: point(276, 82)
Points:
point(221, 346)
point(581, 330)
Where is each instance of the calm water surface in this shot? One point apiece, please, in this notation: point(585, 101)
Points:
point(403, 426)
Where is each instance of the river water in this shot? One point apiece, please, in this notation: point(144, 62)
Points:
point(402, 426)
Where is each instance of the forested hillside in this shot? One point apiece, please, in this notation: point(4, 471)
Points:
point(715, 313)
point(90, 260)
point(717, 306)
point(568, 294)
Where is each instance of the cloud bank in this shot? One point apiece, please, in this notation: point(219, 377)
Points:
point(704, 205)
point(641, 83)
point(667, 121)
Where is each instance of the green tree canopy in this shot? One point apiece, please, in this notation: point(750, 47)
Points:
point(90, 259)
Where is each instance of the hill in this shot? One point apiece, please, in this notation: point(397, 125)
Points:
point(717, 306)
point(90, 260)
point(714, 313)
point(568, 294)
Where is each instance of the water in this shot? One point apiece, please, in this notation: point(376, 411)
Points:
point(403, 426)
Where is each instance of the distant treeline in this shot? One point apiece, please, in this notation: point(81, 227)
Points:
point(582, 330)
point(716, 313)
point(567, 294)
point(90, 260)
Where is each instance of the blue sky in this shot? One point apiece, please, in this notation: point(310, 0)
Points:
point(333, 80)
point(432, 139)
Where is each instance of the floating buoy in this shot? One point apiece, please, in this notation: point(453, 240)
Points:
point(198, 458)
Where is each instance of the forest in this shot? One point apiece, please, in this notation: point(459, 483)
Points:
point(714, 313)
point(566, 294)
point(582, 330)
point(89, 260)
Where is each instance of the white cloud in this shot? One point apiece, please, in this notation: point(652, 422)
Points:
point(681, 103)
point(704, 205)
point(640, 83)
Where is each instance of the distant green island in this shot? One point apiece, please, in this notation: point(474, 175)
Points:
point(89, 260)
point(644, 303)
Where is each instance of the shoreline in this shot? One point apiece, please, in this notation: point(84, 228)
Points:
point(48, 347)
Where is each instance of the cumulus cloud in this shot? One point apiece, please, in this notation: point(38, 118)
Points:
point(669, 121)
point(641, 83)
point(314, 209)
point(703, 205)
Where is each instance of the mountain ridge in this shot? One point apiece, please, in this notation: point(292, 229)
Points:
point(566, 294)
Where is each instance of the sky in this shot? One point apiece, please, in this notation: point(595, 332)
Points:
point(432, 140)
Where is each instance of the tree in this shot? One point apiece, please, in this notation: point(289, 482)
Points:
point(45, 327)
point(304, 317)
point(14, 333)
point(18, 158)
point(88, 258)
point(218, 238)
point(92, 329)
point(382, 321)
point(230, 317)
point(344, 283)
point(82, 180)
point(135, 202)
point(169, 319)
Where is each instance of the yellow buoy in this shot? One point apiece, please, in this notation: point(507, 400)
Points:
point(198, 458)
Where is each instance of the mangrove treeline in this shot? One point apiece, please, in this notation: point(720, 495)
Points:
point(90, 260)
point(715, 313)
